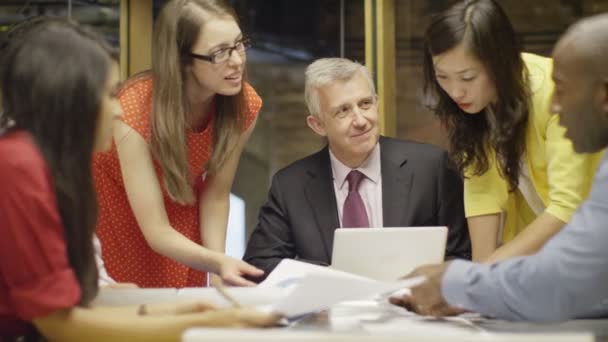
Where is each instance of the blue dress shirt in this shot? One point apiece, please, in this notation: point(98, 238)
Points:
point(567, 278)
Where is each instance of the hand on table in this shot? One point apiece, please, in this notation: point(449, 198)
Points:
point(232, 272)
point(426, 298)
point(239, 318)
point(212, 316)
point(178, 308)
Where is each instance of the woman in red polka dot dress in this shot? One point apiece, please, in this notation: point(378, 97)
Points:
point(163, 189)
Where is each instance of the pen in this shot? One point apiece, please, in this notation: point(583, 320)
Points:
point(222, 290)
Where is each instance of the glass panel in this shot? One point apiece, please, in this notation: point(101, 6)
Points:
point(287, 35)
point(104, 15)
point(539, 23)
point(235, 234)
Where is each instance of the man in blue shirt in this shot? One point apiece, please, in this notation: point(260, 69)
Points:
point(569, 277)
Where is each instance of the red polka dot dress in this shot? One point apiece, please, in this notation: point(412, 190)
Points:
point(127, 256)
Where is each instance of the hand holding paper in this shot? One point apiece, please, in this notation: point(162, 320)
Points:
point(311, 288)
point(426, 298)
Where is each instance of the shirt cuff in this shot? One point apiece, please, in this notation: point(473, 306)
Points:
point(455, 283)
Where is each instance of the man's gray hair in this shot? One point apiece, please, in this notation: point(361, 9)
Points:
point(327, 70)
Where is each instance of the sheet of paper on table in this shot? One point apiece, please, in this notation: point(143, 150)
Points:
point(311, 288)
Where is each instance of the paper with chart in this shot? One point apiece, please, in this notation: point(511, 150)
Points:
point(311, 288)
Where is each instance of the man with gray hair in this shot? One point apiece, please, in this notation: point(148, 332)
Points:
point(358, 180)
point(568, 277)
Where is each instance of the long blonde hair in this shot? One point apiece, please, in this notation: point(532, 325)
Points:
point(175, 33)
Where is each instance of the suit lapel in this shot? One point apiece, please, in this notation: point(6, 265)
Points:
point(396, 184)
point(322, 200)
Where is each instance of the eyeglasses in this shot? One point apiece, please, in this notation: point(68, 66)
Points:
point(224, 54)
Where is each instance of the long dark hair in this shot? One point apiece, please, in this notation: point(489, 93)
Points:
point(175, 33)
point(53, 76)
point(485, 30)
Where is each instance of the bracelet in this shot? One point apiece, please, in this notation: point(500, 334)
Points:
point(142, 310)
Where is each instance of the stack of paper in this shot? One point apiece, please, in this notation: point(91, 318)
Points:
point(293, 289)
point(310, 288)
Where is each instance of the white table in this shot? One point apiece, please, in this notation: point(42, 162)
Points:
point(357, 321)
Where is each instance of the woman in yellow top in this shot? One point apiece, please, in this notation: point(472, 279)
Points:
point(523, 180)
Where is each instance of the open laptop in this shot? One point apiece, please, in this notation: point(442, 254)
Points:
point(387, 253)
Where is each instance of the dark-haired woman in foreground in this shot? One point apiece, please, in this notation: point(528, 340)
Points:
point(58, 95)
point(523, 179)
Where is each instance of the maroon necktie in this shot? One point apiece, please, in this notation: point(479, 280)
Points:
point(353, 213)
